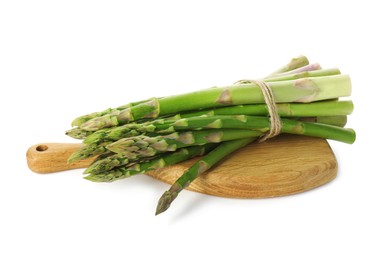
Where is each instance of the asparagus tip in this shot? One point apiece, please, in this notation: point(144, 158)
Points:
point(92, 178)
point(93, 168)
point(81, 154)
point(76, 133)
point(73, 158)
point(165, 201)
point(93, 124)
point(75, 122)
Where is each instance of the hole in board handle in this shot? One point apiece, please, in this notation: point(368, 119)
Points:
point(41, 148)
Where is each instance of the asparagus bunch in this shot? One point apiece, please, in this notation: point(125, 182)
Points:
point(213, 123)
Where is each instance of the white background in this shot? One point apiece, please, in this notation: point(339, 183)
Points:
point(60, 59)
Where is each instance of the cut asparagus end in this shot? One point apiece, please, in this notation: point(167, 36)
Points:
point(294, 63)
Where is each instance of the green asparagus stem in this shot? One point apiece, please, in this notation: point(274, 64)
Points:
point(198, 168)
point(156, 163)
point(339, 121)
point(302, 90)
point(315, 109)
point(227, 123)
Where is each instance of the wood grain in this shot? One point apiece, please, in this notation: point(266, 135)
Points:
point(52, 157)
point(281, 166)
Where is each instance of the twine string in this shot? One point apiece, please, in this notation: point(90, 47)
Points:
point(275, 122)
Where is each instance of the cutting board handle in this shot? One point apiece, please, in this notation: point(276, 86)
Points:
point(52, 157)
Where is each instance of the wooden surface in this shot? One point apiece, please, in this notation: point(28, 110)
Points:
point(52, 157)
point(281, 166)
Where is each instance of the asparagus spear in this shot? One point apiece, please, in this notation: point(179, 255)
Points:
point(163, 160)
point(106, 163)
point(322, 108)
point(339, 121)
point(198, 168)
point(230, 127)
point(88, 151)
point(301, 90)
point(78, 133)
point(84, 118)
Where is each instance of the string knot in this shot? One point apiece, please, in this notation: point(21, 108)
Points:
point(275, 122)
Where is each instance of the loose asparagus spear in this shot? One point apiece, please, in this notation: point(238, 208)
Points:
point(207, 161)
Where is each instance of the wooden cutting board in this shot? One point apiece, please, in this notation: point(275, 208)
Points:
point(281, 166)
